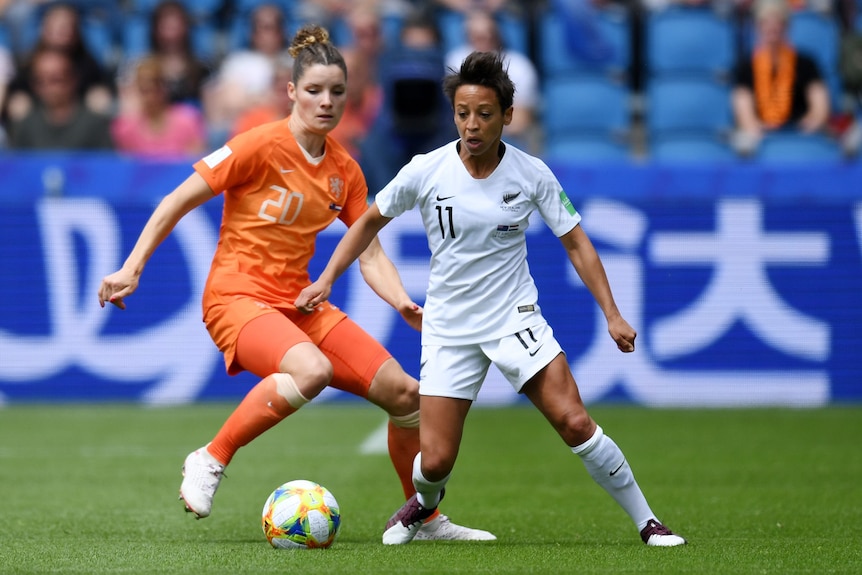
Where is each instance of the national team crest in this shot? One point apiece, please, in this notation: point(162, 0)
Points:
point(336, 186)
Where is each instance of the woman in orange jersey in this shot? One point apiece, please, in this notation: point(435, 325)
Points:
point(283, 183)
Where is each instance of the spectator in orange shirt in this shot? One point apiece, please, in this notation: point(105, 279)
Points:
point(283, 183)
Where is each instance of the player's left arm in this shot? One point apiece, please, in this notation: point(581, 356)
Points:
point(589, 266)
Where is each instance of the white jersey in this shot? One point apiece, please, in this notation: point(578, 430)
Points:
point(480, 287)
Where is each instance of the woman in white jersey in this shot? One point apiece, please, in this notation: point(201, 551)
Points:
point(476, 196)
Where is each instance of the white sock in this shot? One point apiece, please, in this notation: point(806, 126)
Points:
point(427, 492)
point(608, 467)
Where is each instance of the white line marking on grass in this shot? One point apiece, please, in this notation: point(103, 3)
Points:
point(377, 442)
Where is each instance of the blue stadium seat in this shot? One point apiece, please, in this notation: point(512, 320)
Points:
point(99, 38)
point(555, 56)
point(687, 104)
point(136, 38)
point(98, 20)
point(689, 41)
point(691, 149)
point(390, 28)
point(578, 104)
point(819, 36)
point(244, 7)
point(594, 148)
point(513, 31)
point(239, 24)
point(790, 147)
point(198, 9)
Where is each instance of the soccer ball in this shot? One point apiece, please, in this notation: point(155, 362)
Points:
point(300, 515)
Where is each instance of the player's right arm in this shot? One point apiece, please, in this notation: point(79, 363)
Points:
point(193, 192)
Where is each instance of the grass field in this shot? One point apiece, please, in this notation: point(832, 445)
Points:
point(92, 489)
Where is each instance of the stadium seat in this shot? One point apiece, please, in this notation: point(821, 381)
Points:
point(136, 38)
point(199, 10)
point(689, 41)
point(241, 7)
point(390, 29)
point(99, 38)
point(513, 31)
point(587, 148)
point(819, 36)
point(555, 56)
point(789, 147)
point(691, 148)
point(579, 104)
point(687, 104)
point(239, 32)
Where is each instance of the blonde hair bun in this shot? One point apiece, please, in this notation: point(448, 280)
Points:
point(308, 35)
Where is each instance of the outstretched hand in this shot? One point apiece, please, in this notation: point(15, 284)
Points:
point(412, 314)
point(622, 333)
point(312, 296)
point(117, 286)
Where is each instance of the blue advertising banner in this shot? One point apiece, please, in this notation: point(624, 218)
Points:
point(743, 284)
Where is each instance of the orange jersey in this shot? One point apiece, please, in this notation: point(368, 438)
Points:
point(275, 203)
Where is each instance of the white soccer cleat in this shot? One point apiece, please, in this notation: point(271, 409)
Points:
point(202, 474)
point(441, 528)
point(657, 535)
point(405, 523)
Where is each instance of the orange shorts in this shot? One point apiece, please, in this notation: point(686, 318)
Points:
point(265, 334)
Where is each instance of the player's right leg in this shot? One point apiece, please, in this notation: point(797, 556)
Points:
point(442, 423)
point(451, 378)
point(293, 370)
point(363, 367)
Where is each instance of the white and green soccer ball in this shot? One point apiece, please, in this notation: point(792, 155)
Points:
point(301, 514)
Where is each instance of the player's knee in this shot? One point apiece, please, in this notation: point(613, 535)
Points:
point(436, 464)
point(314, 375)
point(404, 397)
point(394, 390)
point(575, 426)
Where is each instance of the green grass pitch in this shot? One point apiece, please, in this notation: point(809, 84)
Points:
point(93, 489)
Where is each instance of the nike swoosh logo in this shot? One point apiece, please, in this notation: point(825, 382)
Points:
point(283, 171)
point(439, 199)
point(532, 353)
point(614, 472)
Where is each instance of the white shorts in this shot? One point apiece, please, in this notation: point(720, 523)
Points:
point(458, 371)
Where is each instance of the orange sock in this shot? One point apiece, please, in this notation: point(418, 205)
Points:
point(403, 447)
point(260, 410)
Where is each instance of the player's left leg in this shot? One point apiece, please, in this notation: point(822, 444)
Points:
point(554, 391)
point(363, 367)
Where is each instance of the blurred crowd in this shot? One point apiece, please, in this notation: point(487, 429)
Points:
point(180, 77)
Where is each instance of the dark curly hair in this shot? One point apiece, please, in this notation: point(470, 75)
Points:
point(481, 69)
